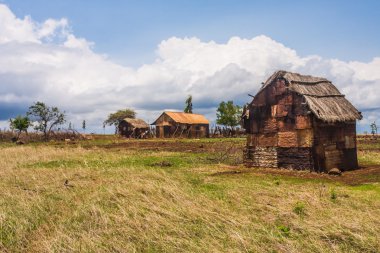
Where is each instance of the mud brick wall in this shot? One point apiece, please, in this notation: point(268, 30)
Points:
point(285, 125)
point(303, 122)
point(267, 140)
point(287, 139)
point(265, 157)
point(286, 99)
point(280, 132)
point(305, 137)
point(295, 158)
point(270, 125)
point(280, 120)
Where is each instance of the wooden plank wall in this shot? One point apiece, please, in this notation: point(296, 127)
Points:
point(336, 145)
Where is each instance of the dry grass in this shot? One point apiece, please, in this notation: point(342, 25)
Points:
point(124, 201)
point(369, 157)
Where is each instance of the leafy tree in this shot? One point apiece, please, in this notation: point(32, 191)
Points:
point(228, 114)
point(117, 117)
point(189, 104)
point(84, 126)
point(46, 117)
point(20, 123)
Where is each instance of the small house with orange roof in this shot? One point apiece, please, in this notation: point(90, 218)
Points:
point(181, 124)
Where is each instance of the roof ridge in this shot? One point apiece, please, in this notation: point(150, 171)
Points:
point(185, 112)
point(185, 118)
point(323, 96)
point(311, 83)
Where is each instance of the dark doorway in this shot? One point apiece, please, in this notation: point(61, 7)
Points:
point(167, 131)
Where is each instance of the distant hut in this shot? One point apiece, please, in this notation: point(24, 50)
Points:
point(300, 122)
point(181, 124)
point(133, 128)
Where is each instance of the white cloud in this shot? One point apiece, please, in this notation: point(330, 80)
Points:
point(13, 29)
point(47, 62)
point(49, 28)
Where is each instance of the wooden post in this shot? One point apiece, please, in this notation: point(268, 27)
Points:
point(173, 135)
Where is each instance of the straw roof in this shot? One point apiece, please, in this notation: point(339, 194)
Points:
point(323, 98)
point(185, 118)
point(136, 123)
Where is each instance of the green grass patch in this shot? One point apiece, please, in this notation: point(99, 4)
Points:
point(367, 187)
point(300, 208)
point(199, 185)
point(147, 160)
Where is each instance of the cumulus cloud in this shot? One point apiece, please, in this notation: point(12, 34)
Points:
point(47, 62)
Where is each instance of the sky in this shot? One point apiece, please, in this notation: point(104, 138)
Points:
point(91, 58)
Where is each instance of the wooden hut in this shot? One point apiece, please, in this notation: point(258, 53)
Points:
point(181, 124)
point(300, 122)
point(133, 128)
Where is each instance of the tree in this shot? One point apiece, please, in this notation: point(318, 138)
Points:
point(228, 114)
point(117, 117)
point(20, 123)
point(46, 117)
point(84, 126)
point(189, 104)
point(373, 128)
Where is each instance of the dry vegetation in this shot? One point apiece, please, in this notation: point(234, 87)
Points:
point(146, 196)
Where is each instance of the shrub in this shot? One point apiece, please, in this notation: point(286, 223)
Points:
point(299, 208)
point(333, 195)
point(285, 230)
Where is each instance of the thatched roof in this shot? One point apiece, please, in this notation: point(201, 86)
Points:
point(136, 123)
point(323, 98)
point(185, 118)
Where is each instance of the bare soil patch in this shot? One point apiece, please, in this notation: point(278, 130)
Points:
point(363, 175)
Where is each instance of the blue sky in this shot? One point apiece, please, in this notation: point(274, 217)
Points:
point(92, 57)
point(129, 31)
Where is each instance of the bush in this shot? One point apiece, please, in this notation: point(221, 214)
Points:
point(299, 208)
point(12, 136)
point(333, 195)
point(285, 230)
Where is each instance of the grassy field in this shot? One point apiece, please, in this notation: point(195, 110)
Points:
point(114, 195)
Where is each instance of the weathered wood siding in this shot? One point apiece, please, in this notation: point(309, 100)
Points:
point(282, 132)
point(295, 158)
point(128, 130)
point(166, 127)
point(335, 146)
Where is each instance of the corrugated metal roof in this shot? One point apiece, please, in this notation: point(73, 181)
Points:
point(186, 118)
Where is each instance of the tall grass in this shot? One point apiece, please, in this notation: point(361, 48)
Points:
point(72, 199)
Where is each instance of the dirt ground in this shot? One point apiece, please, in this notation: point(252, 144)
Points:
point(368, 174)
